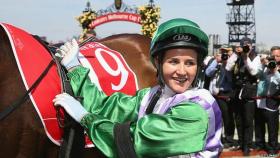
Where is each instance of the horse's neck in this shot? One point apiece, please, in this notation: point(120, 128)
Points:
point(10, 81)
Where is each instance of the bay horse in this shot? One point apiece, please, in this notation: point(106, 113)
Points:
point(22, 133)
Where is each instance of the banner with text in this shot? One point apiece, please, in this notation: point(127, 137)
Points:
point(118, 16)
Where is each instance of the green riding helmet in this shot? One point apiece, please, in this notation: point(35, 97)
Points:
point(179, 33)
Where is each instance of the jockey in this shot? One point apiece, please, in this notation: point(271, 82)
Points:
point(172, 119)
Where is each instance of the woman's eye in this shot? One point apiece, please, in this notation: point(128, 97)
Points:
point(187, 63)
point(173, 62)
point(190, 63)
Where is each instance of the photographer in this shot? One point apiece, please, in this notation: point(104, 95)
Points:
point(268, 112)
point(244, 64)
point(221, 87)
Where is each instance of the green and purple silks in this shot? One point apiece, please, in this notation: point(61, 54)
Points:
point(187, 124)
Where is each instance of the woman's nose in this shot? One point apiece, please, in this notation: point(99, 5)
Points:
point(181, 69)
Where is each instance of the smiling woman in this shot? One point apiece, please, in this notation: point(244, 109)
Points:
point(179, 68)
point(166, 118)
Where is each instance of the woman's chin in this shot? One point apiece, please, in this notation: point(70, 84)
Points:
point(180, 88)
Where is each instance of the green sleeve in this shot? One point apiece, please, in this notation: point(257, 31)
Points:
point(118, 107)
point(180, 131)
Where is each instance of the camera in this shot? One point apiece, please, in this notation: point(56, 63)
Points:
point(246, 49)
point(224, 56)
point(271, 63)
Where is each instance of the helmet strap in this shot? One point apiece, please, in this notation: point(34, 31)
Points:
point(197, 77)
point(154, 101)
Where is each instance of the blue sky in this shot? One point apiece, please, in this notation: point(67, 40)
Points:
point(56, 18)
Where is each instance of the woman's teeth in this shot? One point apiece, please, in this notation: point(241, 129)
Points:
point(181, 80)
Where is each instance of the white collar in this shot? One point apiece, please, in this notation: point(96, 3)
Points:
point(167, 92)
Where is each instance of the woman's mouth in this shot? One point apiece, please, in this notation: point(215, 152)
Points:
point(180, 80)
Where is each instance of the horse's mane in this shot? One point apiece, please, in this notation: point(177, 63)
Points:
point(4, 46)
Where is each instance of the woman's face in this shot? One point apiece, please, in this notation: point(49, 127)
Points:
point(179, 68)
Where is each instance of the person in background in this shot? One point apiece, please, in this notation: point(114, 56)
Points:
point(245, 65)
point(275, 52)
point(234, 98)
point(221, 88)
point(171, 119)
point(268, 105)
point(264, 60)
point(205, 79)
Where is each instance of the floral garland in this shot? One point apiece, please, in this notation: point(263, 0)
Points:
point(85, 20)
point(149, 19)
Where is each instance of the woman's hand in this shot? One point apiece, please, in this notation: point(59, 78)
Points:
point(69, 53)
point(72, 106)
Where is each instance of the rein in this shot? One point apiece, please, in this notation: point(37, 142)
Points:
point(12, 107)
point(22, 99)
